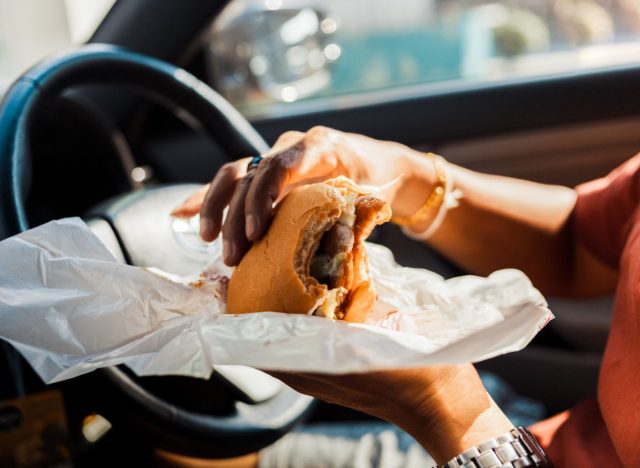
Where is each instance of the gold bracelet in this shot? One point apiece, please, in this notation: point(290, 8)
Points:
point(429, 210)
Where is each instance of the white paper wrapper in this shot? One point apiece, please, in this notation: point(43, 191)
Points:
point(70, 307)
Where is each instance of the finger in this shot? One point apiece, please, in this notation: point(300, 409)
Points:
point(217, 198)
point(304, 385)
point(270, 180)
point(305, 380)
point(191, 206)
point(235, 242)
point(289, 378)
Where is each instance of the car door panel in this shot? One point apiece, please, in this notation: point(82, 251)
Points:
point(565, 155)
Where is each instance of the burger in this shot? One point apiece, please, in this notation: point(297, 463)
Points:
point(312, 259)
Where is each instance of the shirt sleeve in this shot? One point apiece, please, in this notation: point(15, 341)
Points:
point(605, 209)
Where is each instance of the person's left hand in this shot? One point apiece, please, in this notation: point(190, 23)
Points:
point(445, 408)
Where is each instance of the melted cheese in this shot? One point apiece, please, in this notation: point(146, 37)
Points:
point(328, 307)
point(348, 216)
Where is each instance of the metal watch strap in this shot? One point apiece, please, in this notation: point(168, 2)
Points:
point(517, 448)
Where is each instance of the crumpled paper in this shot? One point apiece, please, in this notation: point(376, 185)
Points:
point(69, 307)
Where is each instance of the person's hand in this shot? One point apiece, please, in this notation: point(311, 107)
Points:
point(445, 408)
point(296, 159)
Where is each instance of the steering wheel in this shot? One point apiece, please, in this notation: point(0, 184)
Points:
point(238, 410)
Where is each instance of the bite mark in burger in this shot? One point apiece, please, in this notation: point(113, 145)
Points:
point(312, 260)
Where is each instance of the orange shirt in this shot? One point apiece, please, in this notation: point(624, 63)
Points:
point(606, 432)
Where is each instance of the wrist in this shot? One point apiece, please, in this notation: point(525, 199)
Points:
point(416, 175)
point(458, 415)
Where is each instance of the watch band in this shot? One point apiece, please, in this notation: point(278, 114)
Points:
point(516, 449)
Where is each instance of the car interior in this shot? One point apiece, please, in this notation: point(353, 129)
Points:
point(122, 129)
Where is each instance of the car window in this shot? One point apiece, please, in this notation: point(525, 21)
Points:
point(271, 57)
point(32, 29)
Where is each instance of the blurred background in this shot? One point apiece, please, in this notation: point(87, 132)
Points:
point(275, 57)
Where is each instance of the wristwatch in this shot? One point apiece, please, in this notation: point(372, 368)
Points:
point(516, 449)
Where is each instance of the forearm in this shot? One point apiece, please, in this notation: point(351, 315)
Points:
point(503, 222)
point(510, 223)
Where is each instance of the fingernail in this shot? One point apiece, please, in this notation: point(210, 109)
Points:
point(206, 227)
point(251, 226)
point(227, 250)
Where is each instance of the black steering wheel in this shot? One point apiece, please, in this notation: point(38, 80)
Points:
point(238, 410)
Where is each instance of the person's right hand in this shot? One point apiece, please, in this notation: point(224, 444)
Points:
point(296, 158)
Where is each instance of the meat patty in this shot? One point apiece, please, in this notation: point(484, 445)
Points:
point(336, 240)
